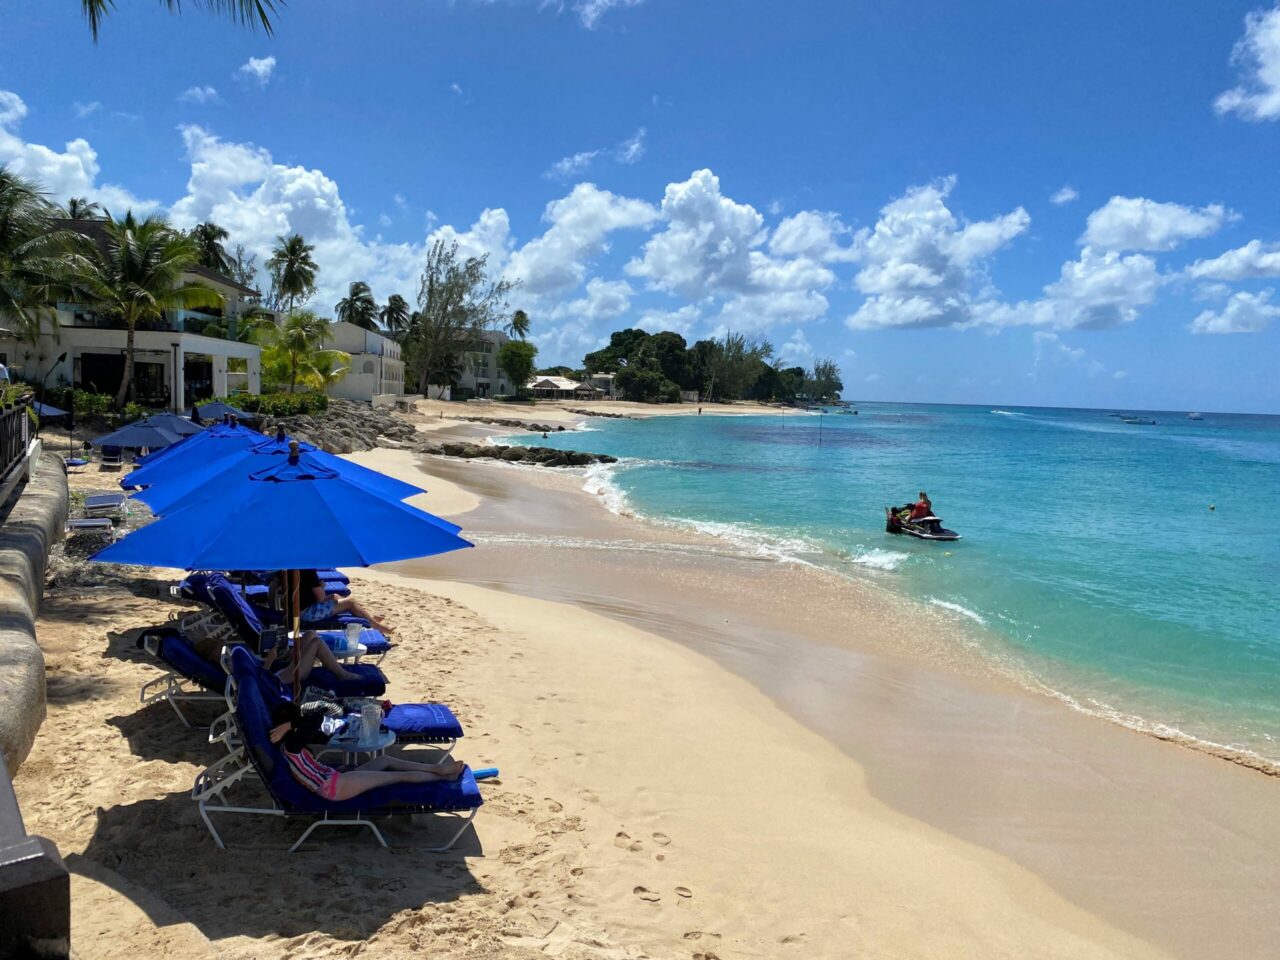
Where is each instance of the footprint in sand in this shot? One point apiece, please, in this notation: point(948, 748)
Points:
point(556, 806)
point(624, 841)
point(661, 839)
point(684, 892)
point(644, 893)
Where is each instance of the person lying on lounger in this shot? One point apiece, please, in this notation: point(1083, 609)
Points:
point(292, 732)
point(312, 648)
point(326, 605)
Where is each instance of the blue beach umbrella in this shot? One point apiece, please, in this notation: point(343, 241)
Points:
point(214, 442)
point(174, 423)
point(216, 409)
point(47, 410)
point(171, 490)
point(138, 434)
point(296, 514)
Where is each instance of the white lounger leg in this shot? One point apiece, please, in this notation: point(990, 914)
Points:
point(328, 821)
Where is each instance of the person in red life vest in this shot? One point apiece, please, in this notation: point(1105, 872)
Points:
point(922, 508)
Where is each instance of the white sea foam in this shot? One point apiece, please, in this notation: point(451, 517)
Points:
point(1009, 413)
point(598, 480)
point(879, 559)
point(960, 610)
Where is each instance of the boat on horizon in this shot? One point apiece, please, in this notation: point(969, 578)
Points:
point(1194, 416)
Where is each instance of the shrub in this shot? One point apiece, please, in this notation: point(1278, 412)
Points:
point(280, 404)
point(133, 411)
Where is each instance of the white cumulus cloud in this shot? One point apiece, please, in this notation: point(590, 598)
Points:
point(1064, 196)
point(200, 94)
point(591, 11)
point(257, 69)
point(1244, 313)
point(1257, 54)
point(1136, 223)
point(1253, 261)
point(920, 265)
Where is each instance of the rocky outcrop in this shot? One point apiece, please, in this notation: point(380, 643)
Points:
point(600, 413)
point(517, 424)
point(346, 427)
point(541, 456)
point(27, 534)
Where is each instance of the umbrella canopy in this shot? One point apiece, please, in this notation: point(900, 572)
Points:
point(216, 409)
point(47, 410)
point(171, 489)
point(138, 434)
point(296, 514)
point(173, 423)
point(216, 441)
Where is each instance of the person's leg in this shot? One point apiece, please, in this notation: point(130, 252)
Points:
point(349, 605)
point(449, 770)
point(362, 781)
point(319, 650)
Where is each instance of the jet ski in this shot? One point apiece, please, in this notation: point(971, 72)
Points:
point(926, 528)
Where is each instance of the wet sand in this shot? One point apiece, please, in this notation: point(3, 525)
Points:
point(1177, 847)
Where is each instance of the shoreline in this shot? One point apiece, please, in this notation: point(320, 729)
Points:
point(975, 710)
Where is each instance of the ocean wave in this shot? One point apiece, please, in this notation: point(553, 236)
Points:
point(879, 559)
point(958, 609)
point(1008, 413)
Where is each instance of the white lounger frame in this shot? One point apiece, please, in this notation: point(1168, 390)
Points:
point(173, 686)
point(211, 787)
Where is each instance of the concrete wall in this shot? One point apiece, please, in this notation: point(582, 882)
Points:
point(29, 531)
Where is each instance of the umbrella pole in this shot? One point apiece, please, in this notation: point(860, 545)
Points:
point(295, 582)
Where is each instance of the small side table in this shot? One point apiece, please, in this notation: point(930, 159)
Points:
point(353, 748)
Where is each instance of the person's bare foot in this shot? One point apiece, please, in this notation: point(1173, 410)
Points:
point(344, 674)
point(451, 770)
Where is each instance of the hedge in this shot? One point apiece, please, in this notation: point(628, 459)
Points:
point(280, 404)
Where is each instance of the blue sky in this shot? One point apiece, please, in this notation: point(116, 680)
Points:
point(871, 182)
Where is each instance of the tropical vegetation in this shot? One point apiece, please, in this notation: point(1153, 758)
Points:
point(358, 307)
point(395, 315)
point(208, 239)
point(658, 367)
point(32, 254)
point(135, 274)
point(516, 360)
point(294, 353)
point(251, 13)
point(293, 270)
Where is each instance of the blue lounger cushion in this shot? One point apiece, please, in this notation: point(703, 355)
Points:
point(374, 642)
point(180, 654)
point(422, 723)
point(370, 681)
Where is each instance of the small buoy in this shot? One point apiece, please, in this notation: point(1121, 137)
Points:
point(946, 553)
point(1212, 507)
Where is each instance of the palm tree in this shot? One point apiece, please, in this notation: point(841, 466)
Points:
point(294, 352)
point(395, 315)
point(293, 271)
point(213, 255)
point(248, 325)
point(518, 325)
point(249, 12)
point(358, 306)
point(78, 208)
point(136, 273)
point(31, 256)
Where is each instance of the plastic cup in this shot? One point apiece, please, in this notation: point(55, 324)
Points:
point(353, 636)
point(370, 722)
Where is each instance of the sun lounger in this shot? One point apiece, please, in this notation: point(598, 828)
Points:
point(112, 457)
point(105, 503)
point(91, 525)
point(458, 799)
point(190, 677)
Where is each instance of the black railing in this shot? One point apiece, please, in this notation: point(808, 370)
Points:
point(35, 888)
point(15, 436)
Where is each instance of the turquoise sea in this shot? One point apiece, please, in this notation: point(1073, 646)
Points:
point(1091, 562)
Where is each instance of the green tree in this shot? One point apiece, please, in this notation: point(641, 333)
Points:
point(733, 365)
point(251, 13)
point(824, 380)
point(457, 304)
point(244, 267)
point(32, 258)
point(294, 353)
point(208, 239)
point(293, 272)
point(135, 274)
point(518, 325)
point(395, 315)
point(515, 359)
point(643, 382)
point(623, 345)
point(358, 306)
point(78, 208)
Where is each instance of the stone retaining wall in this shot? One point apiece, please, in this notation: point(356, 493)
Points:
point(26, 536)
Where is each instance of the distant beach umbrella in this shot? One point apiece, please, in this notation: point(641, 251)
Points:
point(216, 409)
point(138, 435)
point(174, 423)
point(209, 443)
